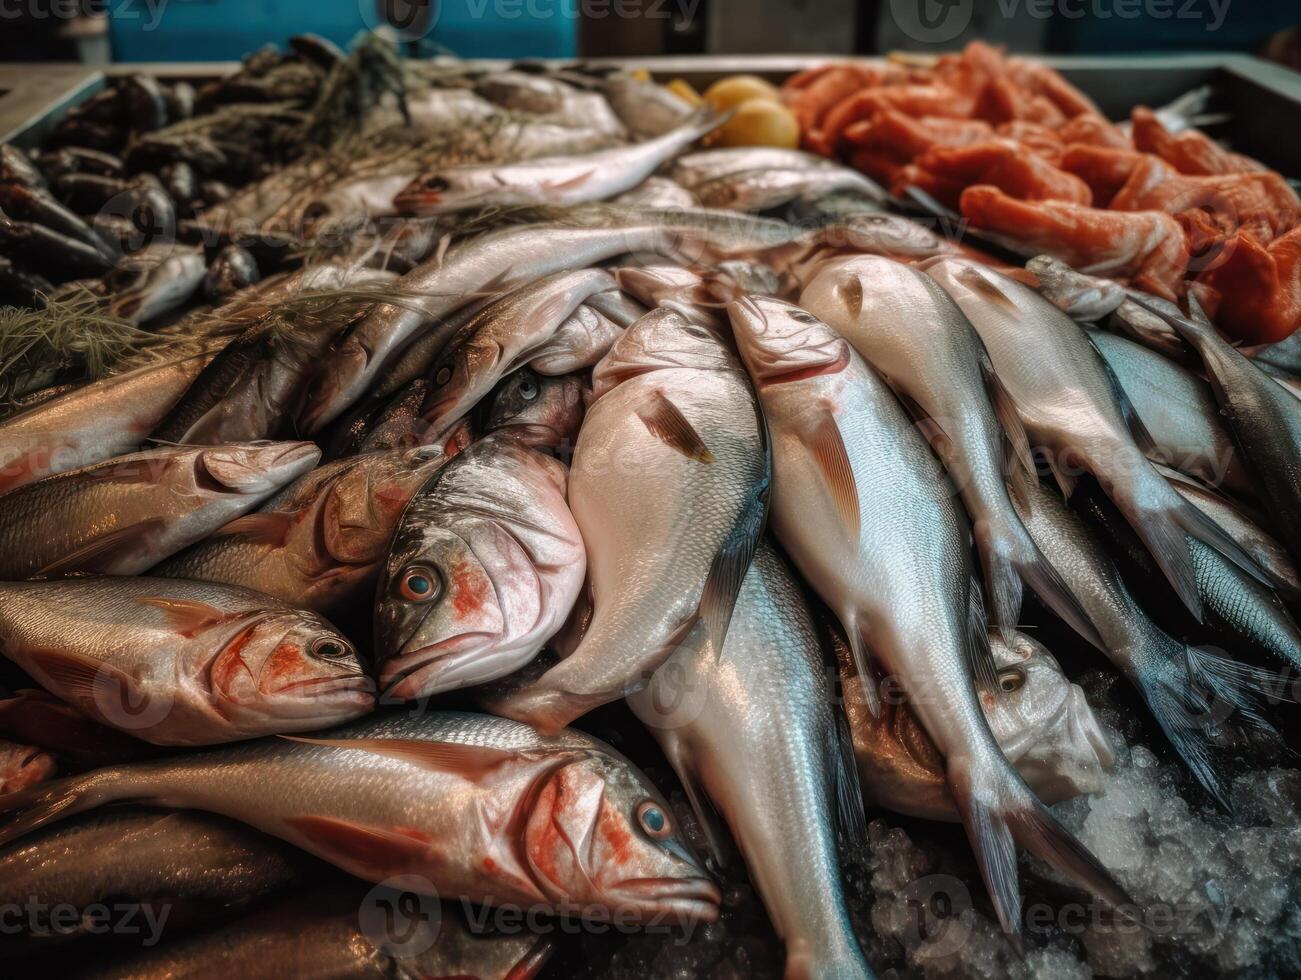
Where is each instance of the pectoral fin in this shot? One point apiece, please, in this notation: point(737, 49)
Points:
point(828, 448)
point(666, 423)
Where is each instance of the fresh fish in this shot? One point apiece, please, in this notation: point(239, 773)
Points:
point(320, 543)
point(867, 515)
point(583, 339)
point(907, 328)
point(552, 100)
point(22, 766)
point(182, 663)
point(646, 109)
point(754, 732)
point(536, 410)
point(485, 566)
point(693, 169)
point(324, 933)
point(554, 181)
point(617, 307)
point(1265, 419)
point(672, 287)
point(125, 515)
point(1178, 410)
point(1042, 722)
point(1177, 682)
point(92, 423)
point(657, 192)
point(232, 269)
point(470, 804)
point(766, 189)
point(50, 253)
point(180, 871)
point(1074, 411)
point(154, 281)
point(35, 207)
point(16, 167)
point(506, 335)
point(73, 738)
point(399, 424)
point(675, 454)
point(485, 266)
point(1284, 355)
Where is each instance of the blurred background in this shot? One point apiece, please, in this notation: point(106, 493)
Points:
point(98, 31)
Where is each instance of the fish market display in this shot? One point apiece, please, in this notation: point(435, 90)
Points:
point(502, 520)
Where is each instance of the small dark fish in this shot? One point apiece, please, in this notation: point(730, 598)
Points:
point(154, 281)
point(16, 167)
point(181, 183)
point(80, 160)
point(231, 270)
point(24, 204)
point(50, 253)
point(145, 102)
point(180, 101)
point(88, 193)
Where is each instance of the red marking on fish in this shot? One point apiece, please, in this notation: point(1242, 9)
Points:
point(615, 831)
point(392, 499)
point(230, 663)
point(835, 366)
point(469, 590)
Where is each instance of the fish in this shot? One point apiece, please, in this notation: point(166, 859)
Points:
point(182, 663)
point(154, 282)
point(464, 806)
point(485, 566)
point(72, 738)
point(398, 423)
point(1075, 412)
point(232, 269)
point(536, 410)
point(505, 335)
point(482, 267)
point(901, 323)
point(16, 167)
point(1042, 722)
point(770, 188)
point(319, 543)
point(22, 766)
point(555, 181)
point(673, 451)
point(182, 870)
point(340, 931)
point(126, 514)
point(647, 110)
point(1264, 418)
point(49, 253)
point(868, 517)
point(1179, 684)
point(579, 342)
point(672, 287)
point(754, 737)
point(657, 192)
point(93, 422)
point(693, 169)
point(36, 208)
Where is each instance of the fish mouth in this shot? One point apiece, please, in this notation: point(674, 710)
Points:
point(352, 688)
point(424, 671)
point(416, 201)
point(686, 900)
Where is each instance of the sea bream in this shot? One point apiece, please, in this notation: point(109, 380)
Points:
point(673, 451)
point(182, 663)
point(485, 565)
point(468, 806)
point(868, 516)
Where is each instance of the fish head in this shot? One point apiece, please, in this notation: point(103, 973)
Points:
point(1044, 723)
point(254, 468)
point(535, 409)
point(289, 667)
point(780, 342)
point(671, 286)
point(447, 190)
point(601, 835)
point(459, 378)
point(892, 234)
point(663, 338)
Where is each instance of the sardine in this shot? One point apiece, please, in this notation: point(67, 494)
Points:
point(125, 515)
point(467, 806)
point(485, 566)
point(908, 329)
point(675, 454)
point(1074, 411)
point(320, 543)
point(867, 515)
point(232, 269)
point(182, 663)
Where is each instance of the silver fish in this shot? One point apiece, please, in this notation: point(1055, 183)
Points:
point(766, 189)
point(182, 663)
point(693, 169)
point(1073, 410)
point(155, 281)
point(320, 543)
point(675, 454)
point(125, 515)
point(646, 109)
point(908, 329)
point(466, 806)
point(754, 731)
point(657, 192)
point(866, 514)
point(671, 287)
point(536, 410)
point(583, 339)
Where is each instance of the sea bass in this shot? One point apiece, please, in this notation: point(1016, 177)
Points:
point(536, 410)
point(124, 515)
point(485, 565)
point(182, 663)
point(468, 806)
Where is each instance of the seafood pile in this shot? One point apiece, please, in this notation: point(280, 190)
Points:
point(508, 534)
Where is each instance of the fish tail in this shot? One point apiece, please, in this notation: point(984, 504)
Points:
point(1158, 521)
point(1000, 813)
point(46, 803)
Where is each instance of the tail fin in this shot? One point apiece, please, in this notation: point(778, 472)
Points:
point(1038, 573)
point(1001, 813)
point(46, 803)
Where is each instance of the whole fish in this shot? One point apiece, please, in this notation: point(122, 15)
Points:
point(536, 410)
point(1178, 683)
point(92, 423)
point(657, 192)
point(1042, 722)
point(866, 514)
point(906, 327)
point(672, 287)
point(180, 871)
point(1265, 419)
point(232, 269)
point(182, 663)
point(482, 267)
point(676, 455)
point(50, 253)
point(125, 515)
point(693, 169)
point(646, 109)
point(583, 339)
point(323, 933)
point(22, 766)
point(1179, 412)
point(1073, 410)
point(754, 732)
point(320, 543)
point(154, 282)
point(506, 335)
point(16, 167)
point(485, 566)
point(36, 208)
point(766, 189)
point(472, 804)
point(555, 181)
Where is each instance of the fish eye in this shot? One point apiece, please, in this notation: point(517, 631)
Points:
point(1011, 679)
point(436, 184)
point(328, 648)
point(528, 389)
point(443, 376)
point(419, 583)
point(799, 316)
point(653, 820)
